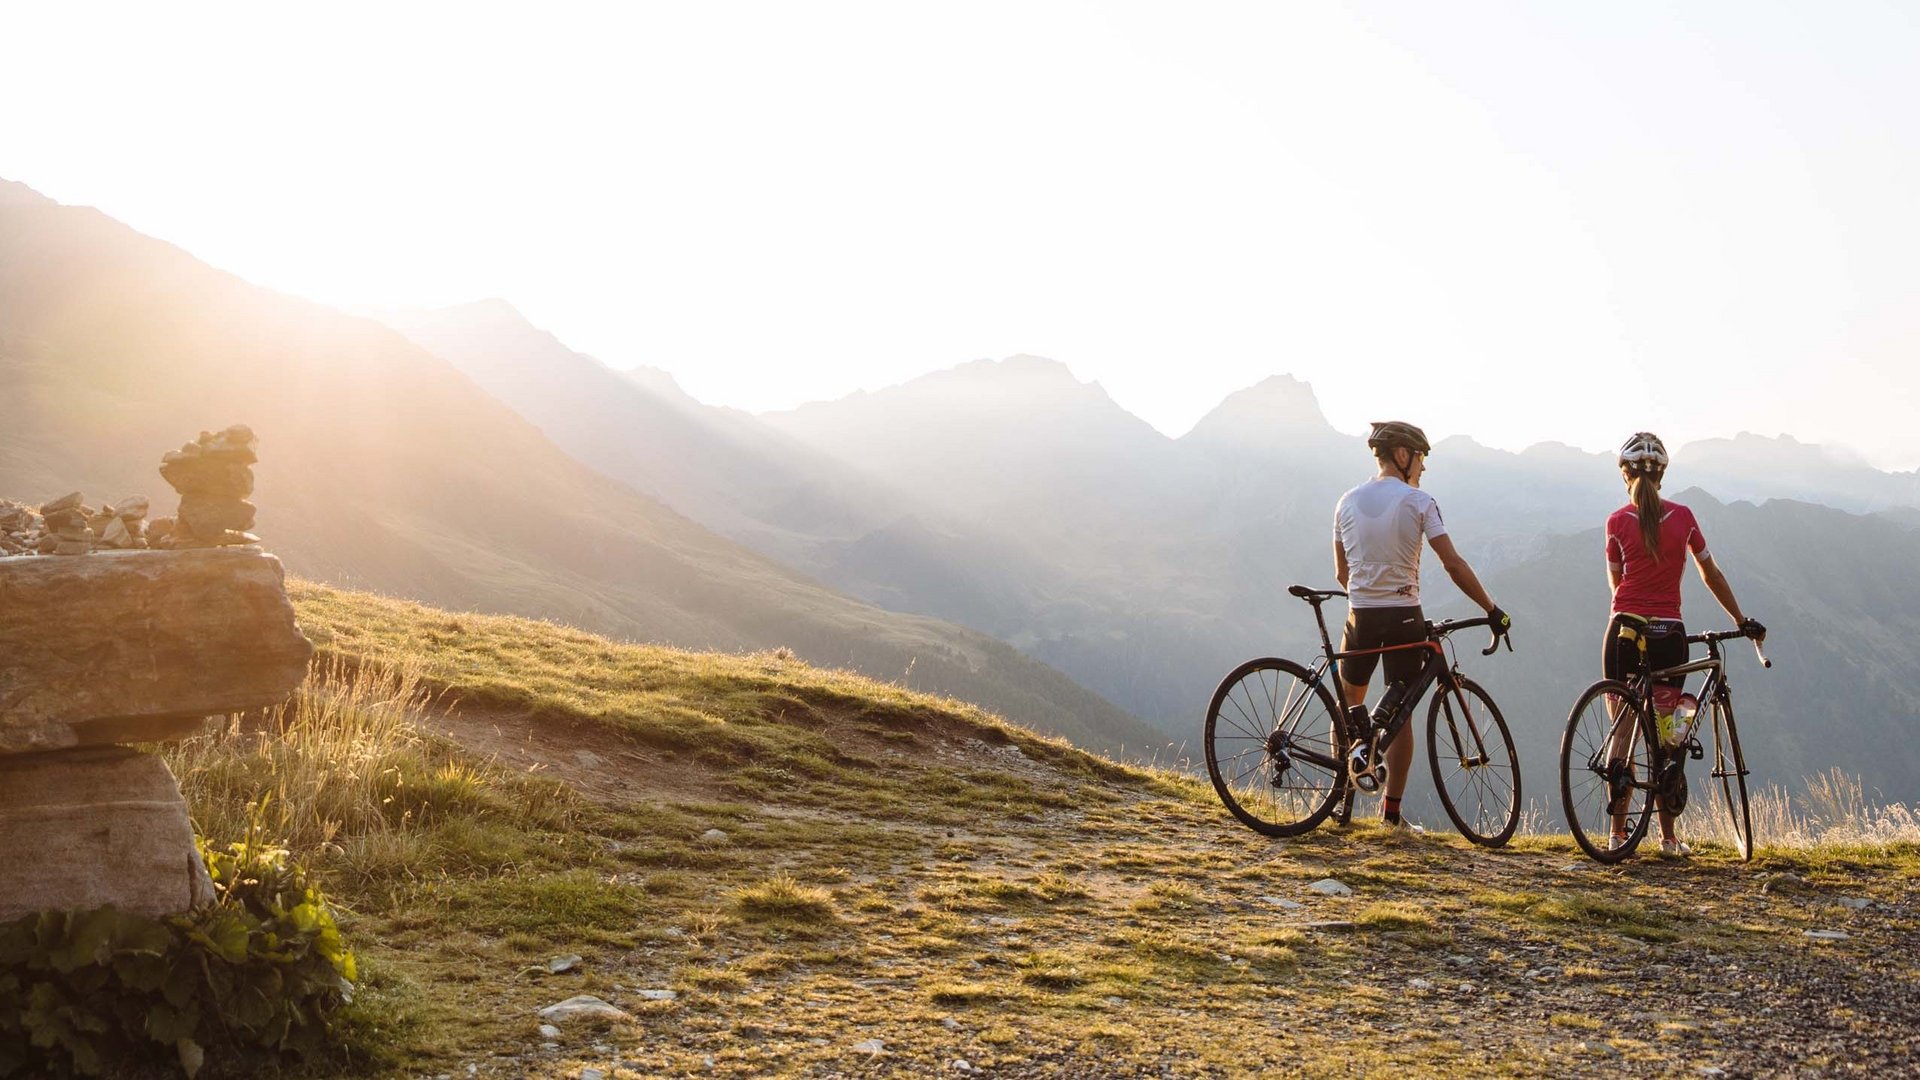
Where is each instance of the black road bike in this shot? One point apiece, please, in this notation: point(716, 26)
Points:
point(1282, 754)
point(1615, 771)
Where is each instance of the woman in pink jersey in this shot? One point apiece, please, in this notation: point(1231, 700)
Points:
point(1647, 545)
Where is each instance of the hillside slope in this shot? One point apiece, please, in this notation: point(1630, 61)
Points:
point(777, 870)
point(384, 467)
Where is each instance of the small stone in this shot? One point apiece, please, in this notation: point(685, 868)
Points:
point(211, 515)
point(1419, 984)
point(870, 1046)
point(950, 1023)
point(211, 476)
point(657, 995)
point(1783, 882)
point(72, 547)
point(714, 836)
point(563, 963)
point(1827, 935)
point(1856, 903)
point(592, 1074)
point(1712, 1070)
point(133, 506)
point(1330, 925)
point(237, 442)
point(116, 534)
point(70, 501)
point(1330, 887)
point(548, 1031)
point(582, 1006)
point(961, 1065)
point(1283, 902)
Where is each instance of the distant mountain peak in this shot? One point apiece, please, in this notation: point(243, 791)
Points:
point(15, 193)
point(1023, 367)
point(1276, 406)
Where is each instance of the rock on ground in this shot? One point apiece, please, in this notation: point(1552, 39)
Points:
point(140, 646)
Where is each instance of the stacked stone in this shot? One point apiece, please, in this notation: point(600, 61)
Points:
point(124, 525)
point(214, 476)
point(19, 529)
point(67, 526)
point(66, 522)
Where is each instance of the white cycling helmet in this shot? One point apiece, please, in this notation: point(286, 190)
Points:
point(1644, 453)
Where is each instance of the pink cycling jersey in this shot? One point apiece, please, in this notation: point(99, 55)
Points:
point(1649, 588)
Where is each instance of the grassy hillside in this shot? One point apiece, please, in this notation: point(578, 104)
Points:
point(779, 870)
point(384, 467)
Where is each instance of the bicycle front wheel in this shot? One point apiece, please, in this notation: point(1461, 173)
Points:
point(1274, 747)
point(1606, 771)
point(1475, 767)
point(1730, 775)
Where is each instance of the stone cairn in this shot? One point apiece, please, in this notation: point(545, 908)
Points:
point(214, 476)
point(132, 645)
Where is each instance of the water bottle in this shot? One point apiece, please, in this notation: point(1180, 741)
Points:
point(1665, 700)
point(1686, 714)
point(1384, 712)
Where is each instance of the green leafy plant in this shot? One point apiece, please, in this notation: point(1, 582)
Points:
point(263, 968)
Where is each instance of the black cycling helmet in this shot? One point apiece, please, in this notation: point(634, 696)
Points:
point(1388, 434)
point(1644, 453)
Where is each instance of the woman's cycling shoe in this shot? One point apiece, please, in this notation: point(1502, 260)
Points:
point(1675, 849)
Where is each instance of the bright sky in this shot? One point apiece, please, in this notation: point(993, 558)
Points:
point(1518, 221)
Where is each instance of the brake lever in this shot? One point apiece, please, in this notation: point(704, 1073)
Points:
point(1494, 645)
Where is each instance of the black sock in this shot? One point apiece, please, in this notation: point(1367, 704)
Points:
point(1391, 811)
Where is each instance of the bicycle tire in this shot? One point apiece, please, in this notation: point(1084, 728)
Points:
point(1270, 705)
point(1586, 748)
point(1487, 773)
point(1732, 781)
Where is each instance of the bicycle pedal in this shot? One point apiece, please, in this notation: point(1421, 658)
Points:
point(1695, 750)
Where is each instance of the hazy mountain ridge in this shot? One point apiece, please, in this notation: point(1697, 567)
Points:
point(385, 468)
point(1169, 566)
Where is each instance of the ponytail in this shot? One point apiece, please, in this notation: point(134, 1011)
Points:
point(1644, 488)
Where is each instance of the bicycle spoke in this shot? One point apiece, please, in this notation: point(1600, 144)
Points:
point(1268, 724)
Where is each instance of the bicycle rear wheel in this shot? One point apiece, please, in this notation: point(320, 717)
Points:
point(1475, 767)
point(1606, 771)
point(1730, 775)
point(1274, 745)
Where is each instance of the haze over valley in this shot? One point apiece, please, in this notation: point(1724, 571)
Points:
point(475, 461)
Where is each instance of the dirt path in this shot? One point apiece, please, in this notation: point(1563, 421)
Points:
point(1127, 932)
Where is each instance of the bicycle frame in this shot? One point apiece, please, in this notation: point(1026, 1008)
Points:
point(1436, 669)
point(1714, 690)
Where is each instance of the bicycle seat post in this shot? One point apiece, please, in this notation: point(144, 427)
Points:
point(1326, 641)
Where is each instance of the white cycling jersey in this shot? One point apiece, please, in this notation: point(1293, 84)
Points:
point(1380, 526)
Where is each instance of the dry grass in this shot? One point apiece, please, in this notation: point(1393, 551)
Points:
point(1835, 811)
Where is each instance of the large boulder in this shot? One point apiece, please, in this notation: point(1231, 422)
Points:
point(82, 829)
point(141, 646)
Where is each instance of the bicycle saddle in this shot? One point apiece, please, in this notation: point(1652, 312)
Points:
point(1305, 593)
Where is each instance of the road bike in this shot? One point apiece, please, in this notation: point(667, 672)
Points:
point(1615, 770)
point(1282, 754)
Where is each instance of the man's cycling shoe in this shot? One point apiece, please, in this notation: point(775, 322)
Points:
point(1675, 849)
point(1615, 843)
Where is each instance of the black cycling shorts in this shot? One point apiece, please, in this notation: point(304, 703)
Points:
point(1666, 647)
point(1376, 628)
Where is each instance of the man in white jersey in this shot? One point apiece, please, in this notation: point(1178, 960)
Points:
point(1377, 530)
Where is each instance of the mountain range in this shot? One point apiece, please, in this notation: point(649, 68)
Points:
point(471, 459)
point(1012, 497)
point(386, 468)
